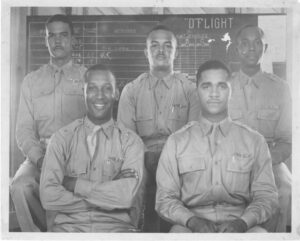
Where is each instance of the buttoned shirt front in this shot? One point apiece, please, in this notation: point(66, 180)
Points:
point(234, 181)
point(263, 102)
point(98, 203)
point(155, 108)
point(51, 98)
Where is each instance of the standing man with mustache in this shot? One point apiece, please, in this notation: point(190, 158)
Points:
point(51, 97)
point(263, 102)
point(155, 105)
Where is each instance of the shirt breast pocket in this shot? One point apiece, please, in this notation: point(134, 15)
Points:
point(267, 119)
point(145, 126)
point(178, 116)
point(111, 167)
point(73, 105)
point(238, 174)
point(78, 168)
point(43, 107)
point(192, 170)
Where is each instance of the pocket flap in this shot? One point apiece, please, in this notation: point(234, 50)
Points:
point(239, 164)
point(76, 89)
point(268, 114)
point(191, 164)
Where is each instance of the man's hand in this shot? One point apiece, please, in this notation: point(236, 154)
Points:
point(235, 226)
point(201, 225)
point(126, 173)
point(69, 183)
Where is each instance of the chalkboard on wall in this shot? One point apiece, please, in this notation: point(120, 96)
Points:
point(119, 41)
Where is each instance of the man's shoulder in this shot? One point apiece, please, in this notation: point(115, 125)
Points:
point(184, 131)
point(68, 130)
point(246, 130)
point(135, 84)
point(273, 79)
point(81, 68)
point(185, 80)
point(36, 74)
point(127, 135)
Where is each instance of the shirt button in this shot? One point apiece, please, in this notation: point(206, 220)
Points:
point(94, 168)
point(216, 162)
point(160, 112)
point(217, 183)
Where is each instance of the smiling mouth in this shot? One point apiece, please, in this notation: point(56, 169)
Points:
point(99, 106)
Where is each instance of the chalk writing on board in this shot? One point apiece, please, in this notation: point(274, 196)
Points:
point(210, 23)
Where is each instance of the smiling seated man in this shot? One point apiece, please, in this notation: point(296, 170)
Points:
point(93, 167)
point(215, 175)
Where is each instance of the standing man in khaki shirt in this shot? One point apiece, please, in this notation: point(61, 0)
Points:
point(263, 102)
point(155, 105)
point(215, 175)
point(51, 97)
point(94, 166)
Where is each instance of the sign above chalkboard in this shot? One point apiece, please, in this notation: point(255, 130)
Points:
point(119, 41)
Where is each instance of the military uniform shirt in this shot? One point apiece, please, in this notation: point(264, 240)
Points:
point(51, 97)
point(236, 181)
point(263, 102)
point(156, 108)
point(98, 203)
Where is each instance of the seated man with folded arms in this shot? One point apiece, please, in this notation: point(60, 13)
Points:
point(215, 175)
point(93, 167)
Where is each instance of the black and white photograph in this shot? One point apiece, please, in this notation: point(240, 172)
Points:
point(128, 120)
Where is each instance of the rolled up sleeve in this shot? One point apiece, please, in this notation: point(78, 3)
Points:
point(168, 199)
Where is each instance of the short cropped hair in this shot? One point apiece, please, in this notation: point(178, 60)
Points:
point(239, 32)
point(208, 65)
point(161, 27)
point(101, 67)
point(61, 18)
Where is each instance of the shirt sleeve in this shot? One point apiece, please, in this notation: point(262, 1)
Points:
point(116, 194)
point(126, 108)
point(281, 148)
point(52, 193)
point(263, 192)
point(168, 198)
point(26, 132)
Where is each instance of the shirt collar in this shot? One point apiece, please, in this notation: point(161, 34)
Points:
point(206, 126)
point(168, 81)
point(65, 68)
point(255, 79)
point(106, 127)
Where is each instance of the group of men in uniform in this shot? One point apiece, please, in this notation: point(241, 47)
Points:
point(182, 156)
